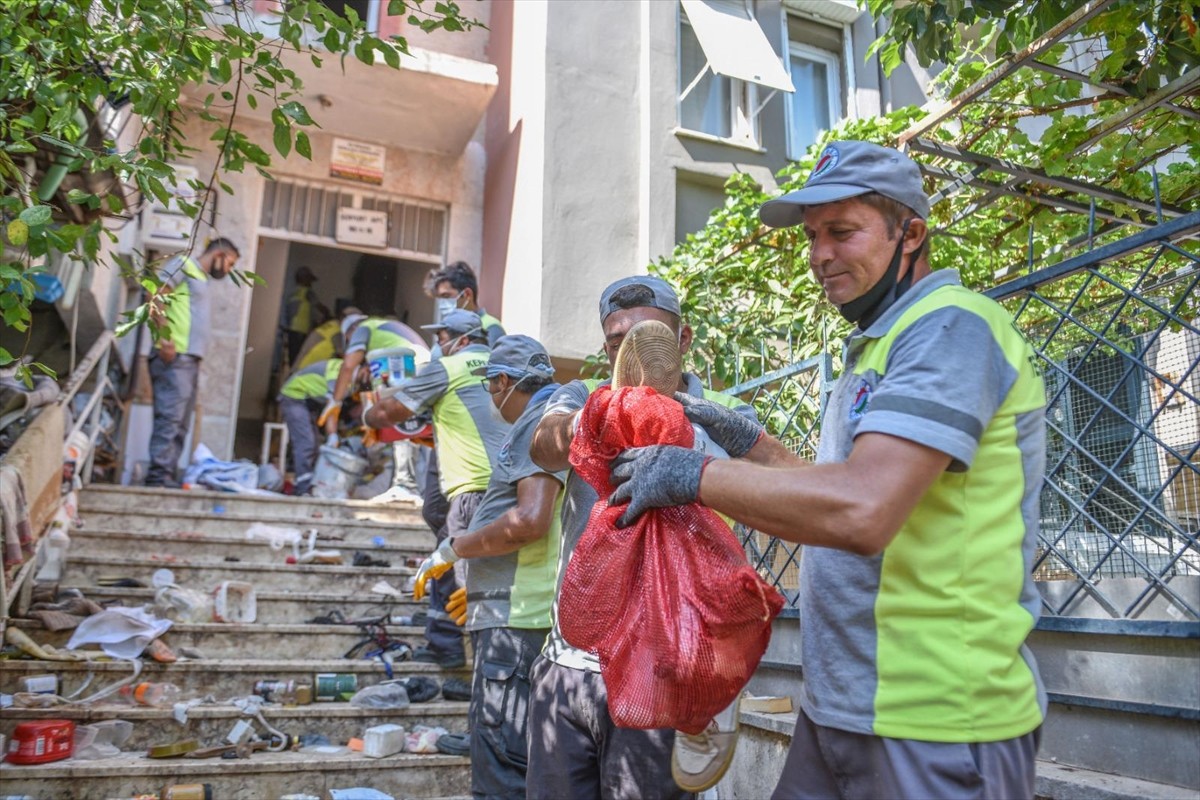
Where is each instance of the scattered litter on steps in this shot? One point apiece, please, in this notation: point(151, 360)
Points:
point(423, 739)
point(359, 793)
point(383, 695)
point(120, 632)
point(275, 536)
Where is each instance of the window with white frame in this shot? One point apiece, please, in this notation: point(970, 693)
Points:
point(816, 105)
point(724, 62)
point(817, 62)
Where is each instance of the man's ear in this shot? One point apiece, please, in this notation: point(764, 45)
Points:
point(469, 295)
point(685, 338)
point(915, 236)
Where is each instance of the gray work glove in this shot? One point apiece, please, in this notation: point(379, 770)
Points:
point(731, 431)
point(653, 477)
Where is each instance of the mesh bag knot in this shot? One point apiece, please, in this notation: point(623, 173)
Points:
point(676, 614)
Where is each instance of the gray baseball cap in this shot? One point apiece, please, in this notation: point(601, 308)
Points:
point(460, 322)
point(663, 296)
point(517, 356)
point(848, 169)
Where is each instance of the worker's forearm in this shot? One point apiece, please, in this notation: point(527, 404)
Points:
point(857, 505)
point(551, 445)
point(770, 452)
point(797, 503)
point(346, 376)
point(507, 534)
point(388, 411)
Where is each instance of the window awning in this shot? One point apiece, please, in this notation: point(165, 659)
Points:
point(734, 44)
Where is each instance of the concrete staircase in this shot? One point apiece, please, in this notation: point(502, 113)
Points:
point(200, 536)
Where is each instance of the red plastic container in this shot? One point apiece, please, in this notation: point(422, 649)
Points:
point(42, 742)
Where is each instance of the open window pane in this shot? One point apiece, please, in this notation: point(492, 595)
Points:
point(707, 107)
point(816, 105)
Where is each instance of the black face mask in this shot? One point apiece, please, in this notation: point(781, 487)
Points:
point(863, 311)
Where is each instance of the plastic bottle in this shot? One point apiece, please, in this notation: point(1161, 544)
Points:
point(55, 552)
point(150, 693)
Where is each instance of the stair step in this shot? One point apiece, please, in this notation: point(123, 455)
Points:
point(235, 525)
point(398, 544)
point(210, 724)
point(220, 678)
point(224, 640)
point(99, 497)
point(262, 775)
point(207, 573)
point(280, 606)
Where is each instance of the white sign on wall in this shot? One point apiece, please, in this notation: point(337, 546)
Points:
point(357, 161)
point(360, 227)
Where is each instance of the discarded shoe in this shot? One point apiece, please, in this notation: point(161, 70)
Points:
point(361, 559)
point(699, 762)
point(160, 652)
point(454, 744)
point(420, 689)
point(649, 356)
point(443, 660)
point(456, 689)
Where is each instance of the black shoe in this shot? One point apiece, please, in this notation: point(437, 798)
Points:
point(454, 744)
point(420, 689)
point(443, 660)
point(456, 689)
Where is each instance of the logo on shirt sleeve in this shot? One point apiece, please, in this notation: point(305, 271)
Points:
point(862, 400)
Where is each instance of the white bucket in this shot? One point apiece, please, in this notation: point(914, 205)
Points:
point(390, 365)
point(336, 473)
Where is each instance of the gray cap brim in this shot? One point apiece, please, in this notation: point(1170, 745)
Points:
point(788, 210)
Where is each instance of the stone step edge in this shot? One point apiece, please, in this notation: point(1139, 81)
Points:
point(97, 489)
point(249, 519)
point(268, 595)
point(263, 628)
point(140, 766)
point(324, 540)
point(1053, 779)
point(237, 566)
point(84, 714)
point(224, 665)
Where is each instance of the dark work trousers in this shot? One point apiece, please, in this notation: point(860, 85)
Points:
point(500, 709)
point(576, 751)
point(301, 420)
point(295, 340)
point(174, 398)
point(826, 762)
point(445, 638)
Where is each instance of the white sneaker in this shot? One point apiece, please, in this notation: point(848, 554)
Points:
point(698, 762)
point(397, 494)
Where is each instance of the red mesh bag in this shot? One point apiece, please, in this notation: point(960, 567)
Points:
point(677, 616)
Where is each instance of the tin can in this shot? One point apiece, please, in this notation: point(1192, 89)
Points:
point(188, 791)
point(304, 694)
point(334, 686)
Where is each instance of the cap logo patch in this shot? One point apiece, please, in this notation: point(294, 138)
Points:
point(828, 160)
point(861, 401)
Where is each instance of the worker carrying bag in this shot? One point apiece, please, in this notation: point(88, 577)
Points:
point(677, 616)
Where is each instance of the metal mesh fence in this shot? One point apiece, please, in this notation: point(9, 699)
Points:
point(1118, 340)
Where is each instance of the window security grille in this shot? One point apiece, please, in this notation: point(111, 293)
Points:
point(311, 210)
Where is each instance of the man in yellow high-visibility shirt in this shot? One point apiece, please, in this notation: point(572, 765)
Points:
point(468, 435)
point(183, 332)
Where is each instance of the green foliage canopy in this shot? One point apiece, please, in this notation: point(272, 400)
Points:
point(65, 64)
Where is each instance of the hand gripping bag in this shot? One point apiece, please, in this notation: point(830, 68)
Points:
point(677, 616)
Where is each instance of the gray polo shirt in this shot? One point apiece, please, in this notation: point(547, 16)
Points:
point(517, 589)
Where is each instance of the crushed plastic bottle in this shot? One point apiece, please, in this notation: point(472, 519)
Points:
point(151, 693)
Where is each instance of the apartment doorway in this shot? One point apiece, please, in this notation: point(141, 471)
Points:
point(378, 284)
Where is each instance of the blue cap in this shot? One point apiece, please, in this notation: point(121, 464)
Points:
point(848, 169)
point(518, 356)
point(662, 296)
point(459, 322)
